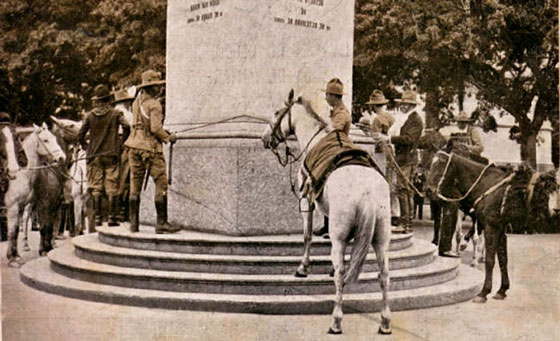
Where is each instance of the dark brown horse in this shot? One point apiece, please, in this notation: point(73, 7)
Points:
point(452, 172)
point(486, 188)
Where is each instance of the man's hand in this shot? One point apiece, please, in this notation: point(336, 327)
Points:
point(378, 137)
point(172, 138)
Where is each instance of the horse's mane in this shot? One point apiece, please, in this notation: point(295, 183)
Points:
point(306, 104)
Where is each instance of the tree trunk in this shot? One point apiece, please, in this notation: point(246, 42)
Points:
point(431, 110)
point(529, 149)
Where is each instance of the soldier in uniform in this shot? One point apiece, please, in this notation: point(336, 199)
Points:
point(340, 120)
point(406, 156)
point(381, 123)
point(103, 151)
point(468, 143)
point(146, 151)
point(123, 103)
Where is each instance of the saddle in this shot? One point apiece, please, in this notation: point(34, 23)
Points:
point(333, 151)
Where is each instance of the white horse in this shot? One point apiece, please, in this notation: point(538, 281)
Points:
point(356, 199)
point(80, 193)
point(40, 146)
point(78, 176)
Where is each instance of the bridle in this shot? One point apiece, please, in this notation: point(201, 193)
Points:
point(443, 175)
point(276, 133)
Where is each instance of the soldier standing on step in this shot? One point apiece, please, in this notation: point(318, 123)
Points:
point(406, 156)
point(146, 151)
point(123, 103)
point(103, 151)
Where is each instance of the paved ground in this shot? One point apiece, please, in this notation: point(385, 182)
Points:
point(530, 312)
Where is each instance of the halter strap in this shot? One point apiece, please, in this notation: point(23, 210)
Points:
point(444, 198)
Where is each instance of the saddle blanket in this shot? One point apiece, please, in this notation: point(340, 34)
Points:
point(331, 152)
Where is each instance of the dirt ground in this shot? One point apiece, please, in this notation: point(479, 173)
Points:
point(530, 312)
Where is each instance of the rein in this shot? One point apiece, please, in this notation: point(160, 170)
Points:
point(276, 133)
point(444, 198)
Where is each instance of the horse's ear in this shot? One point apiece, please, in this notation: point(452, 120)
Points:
point(45, 126)
point(36, 127)
point(55, 120)
point(291, 96)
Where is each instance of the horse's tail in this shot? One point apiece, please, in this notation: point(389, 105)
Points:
point(362, 241)
point(357, 258)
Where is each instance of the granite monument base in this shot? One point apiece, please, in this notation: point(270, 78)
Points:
point(228, 183)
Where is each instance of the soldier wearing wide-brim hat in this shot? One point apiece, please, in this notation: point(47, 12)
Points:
point(146, 150)
point(339, 115)
point(103, 151)
point(340, 120)
point(377, 98)
point(406, 155)
point(463, 117)
point(123, 102)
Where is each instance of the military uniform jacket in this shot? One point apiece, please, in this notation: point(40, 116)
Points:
point(103, 124)
point(407, 142)
point(382, 122)
point(147, 131)
point(341, 118)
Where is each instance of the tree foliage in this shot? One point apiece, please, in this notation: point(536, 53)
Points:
point(507, 49)
point(53, 53)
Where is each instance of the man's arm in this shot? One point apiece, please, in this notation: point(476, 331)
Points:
point(156, 121)
point(411, 135)
point(477, 145)
point(83, 131)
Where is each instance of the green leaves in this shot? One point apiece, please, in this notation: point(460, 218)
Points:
point(50, 50)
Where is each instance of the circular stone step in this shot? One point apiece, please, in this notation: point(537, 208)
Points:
point(204, 243)
point(64, 261)
point(38, 274)
point(89, 248)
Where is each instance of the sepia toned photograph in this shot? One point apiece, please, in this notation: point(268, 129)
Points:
point(279, 170)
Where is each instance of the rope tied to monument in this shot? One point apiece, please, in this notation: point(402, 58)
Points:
point(227, 120)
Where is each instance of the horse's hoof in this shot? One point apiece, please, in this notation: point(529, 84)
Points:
point(385, 326)
point(335, 332)
point(479, 299)
point(384, 331)
point(499, 296)
point(449, 254)
point(300, 274)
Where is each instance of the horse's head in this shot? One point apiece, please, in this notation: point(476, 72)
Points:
point(279, 128)
point(66, 129)
point(438, 176)
point(47, 145)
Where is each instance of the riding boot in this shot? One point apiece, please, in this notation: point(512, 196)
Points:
point(405, 214)
point(447, 228)
point(113, 211)
point(162, 226)
point(134, 204)
point(97, 208)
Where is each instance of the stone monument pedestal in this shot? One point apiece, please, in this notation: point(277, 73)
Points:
point(230, 66)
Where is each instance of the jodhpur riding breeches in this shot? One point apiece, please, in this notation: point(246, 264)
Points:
point(103, 174)
point(141, 161)
point(404, 194)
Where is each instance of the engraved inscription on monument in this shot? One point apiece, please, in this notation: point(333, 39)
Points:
point(241, 57)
